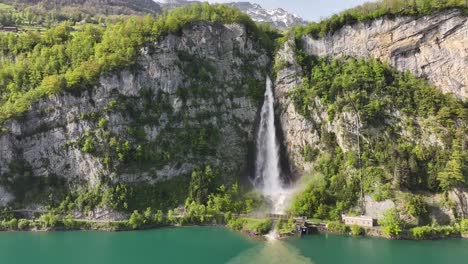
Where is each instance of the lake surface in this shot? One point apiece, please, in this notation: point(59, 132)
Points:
point(217, 245)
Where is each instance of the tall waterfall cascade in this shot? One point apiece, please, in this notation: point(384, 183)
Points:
point(267, 165)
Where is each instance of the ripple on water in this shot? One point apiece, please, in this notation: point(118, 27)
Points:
point(272, 252)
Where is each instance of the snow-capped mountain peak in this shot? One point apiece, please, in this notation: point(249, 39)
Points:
point(279, 17)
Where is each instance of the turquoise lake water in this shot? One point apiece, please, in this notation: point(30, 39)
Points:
point(217, 245)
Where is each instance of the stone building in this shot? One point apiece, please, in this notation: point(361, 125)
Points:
point(363, 221)
point(9, 29)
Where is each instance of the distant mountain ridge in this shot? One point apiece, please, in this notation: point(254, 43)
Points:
point(96, 7)
point(76, 9)
point(279, 17)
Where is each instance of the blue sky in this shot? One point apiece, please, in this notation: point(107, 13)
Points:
point(311, 10)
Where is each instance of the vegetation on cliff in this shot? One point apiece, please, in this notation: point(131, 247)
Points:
point(374, 10)
point(218, 207)
point(67, 59)
point(390, 117)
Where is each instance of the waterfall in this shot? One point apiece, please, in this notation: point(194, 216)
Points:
point(267, 165)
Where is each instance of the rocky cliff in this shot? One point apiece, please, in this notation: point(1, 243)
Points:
point(433, 47)
point(191, 100)
point(297, 131)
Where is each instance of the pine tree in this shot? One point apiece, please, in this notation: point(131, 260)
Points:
point(451, 177)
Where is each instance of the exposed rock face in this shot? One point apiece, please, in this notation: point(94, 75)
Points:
point(300, 132)
point(160, 97)
point(376, 209)
point(5, 197)
point(434, 47)
point(297, 131)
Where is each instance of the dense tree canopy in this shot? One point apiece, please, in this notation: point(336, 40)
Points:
point(451, 177)
point(391, 223)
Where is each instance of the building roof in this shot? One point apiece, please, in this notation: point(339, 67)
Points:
point(362, 217)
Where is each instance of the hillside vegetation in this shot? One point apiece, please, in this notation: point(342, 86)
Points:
point(395, 116)
point(35, 65)
point(34, 14)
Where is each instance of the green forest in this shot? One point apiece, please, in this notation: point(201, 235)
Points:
point(35, 15)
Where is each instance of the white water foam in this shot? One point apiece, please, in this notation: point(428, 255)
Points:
point(267, 171)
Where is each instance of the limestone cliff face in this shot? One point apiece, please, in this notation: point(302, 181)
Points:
point(434, 47)
point(297, 131)
point(300, 132)
point(187, 102)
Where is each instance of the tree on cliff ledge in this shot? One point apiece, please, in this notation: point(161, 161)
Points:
point(452, 178)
